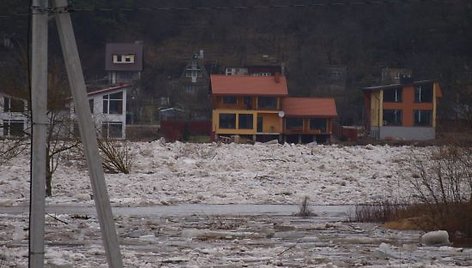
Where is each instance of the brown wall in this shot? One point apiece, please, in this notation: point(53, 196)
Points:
point(306, 128)
point(173, 130)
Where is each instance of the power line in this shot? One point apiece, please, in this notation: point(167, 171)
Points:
point(313, 5)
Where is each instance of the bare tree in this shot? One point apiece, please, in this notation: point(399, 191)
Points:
point(442, 181)
point(60, 138)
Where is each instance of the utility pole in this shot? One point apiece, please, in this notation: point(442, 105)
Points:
point(87, 133)
point(40, 13)
point(39, 65)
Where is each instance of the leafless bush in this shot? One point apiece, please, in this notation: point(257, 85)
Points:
point(445, 177)
point(10, 148)
point(305, 211)
point(443, 183)
point(116, 156)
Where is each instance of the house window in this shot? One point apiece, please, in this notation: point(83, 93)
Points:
point(247, 102)
point(193, 73)
point(123, 58)
point(318, 123)
point(423, 117)
point(294, 123)
point(113, 103)
point(228, 121)
point(392, 117)
point(190, 89)
point(392, 95)
point(423, 93)
point(246, 121)
point(267, 102)
point(112, 129)
point(229, 100)
point(13, 128)
point(13, 105)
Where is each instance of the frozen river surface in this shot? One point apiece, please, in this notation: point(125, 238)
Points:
point(164, 220)
point(197, 235)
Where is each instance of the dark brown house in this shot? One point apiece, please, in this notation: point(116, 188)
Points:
point(124, 62)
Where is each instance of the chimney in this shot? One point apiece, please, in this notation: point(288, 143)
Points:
point(277, 77)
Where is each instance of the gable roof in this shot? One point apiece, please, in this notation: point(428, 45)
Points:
point(303, 107)
point(107, 90)
point(102, 91)
point(248, 85)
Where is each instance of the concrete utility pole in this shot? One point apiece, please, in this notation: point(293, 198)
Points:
point(39, 83)
point(87, 130)
point(87, 133)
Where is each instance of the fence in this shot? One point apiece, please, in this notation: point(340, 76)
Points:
point(173, 130)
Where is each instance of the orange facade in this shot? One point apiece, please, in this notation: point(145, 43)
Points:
point(408, 105)
point(403, 111)
point(260, 106)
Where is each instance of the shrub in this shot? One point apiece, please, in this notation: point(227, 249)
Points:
point(116, 157)
point(305, 211)
point(377, 212)
point(442, 184)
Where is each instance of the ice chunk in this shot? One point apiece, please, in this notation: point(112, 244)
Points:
point(388, 251)
point(435, 238)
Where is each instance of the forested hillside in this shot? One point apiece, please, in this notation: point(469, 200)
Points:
point(433, 38)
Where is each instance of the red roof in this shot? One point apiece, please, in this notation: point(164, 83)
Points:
point(248, 85)
point(303, 107)
point(108, 89)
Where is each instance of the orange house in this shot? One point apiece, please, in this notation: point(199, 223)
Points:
point(308, 119)
point(402, 111)
point(257, 107)
point(248, 106)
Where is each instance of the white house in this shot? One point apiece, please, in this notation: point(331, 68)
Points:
point(108, 107)
point(13, 116)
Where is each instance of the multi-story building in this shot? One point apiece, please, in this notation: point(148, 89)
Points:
point(190, 92)
point(248, 105)
point(258, 108)
point(108, 108)
point(124, 62)
point(402, 111)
